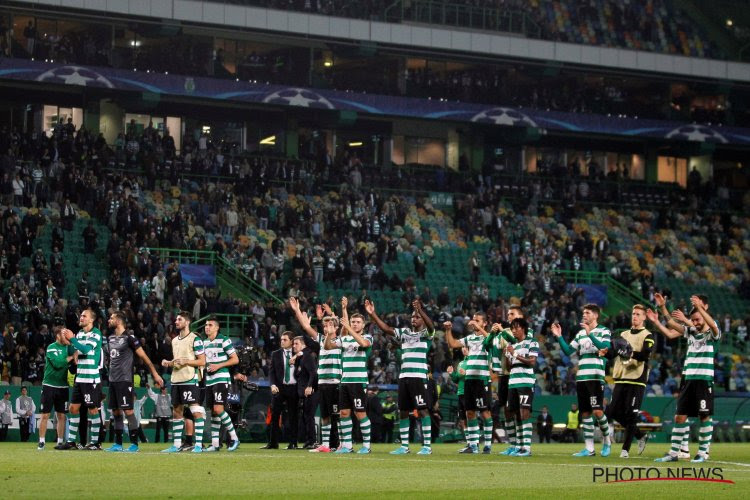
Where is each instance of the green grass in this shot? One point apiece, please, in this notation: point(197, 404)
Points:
point(550, 473)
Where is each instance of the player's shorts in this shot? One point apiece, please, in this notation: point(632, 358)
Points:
point(520, 398)
point(216, 394)
point(477, 395)
point(352, 397)
point(329, 400)
point(590, 395)
point(54, 398)
point(412, 393)
point(88, 395)
point(696, 399)
point(120, 396)
point(186, 394)
point(625, 406)
point(502, 389)
point(461, 407)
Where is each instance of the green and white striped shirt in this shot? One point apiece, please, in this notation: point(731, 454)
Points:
point(478, 360)
point(329, 363)
point(89, 364)
point(218, 351)
point(699, 362)
point(498, 345)
point(354, 359)
point(590, 365)
point(414, 349)
point(521, 374)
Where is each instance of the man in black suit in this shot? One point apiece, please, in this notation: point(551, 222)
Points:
point(283, 392)
point(544, 425)
point(306, 373)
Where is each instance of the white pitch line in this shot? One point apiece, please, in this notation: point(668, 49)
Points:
point(447, 461)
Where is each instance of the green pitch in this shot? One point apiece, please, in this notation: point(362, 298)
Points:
point(550, 473)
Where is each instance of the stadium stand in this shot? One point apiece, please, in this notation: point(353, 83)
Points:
point(360, 239)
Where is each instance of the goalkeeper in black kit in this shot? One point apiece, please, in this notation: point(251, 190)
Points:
point(630, 352)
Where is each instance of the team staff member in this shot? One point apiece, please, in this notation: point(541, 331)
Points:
point(306, 373)
point(630, 372)
point(55, 386)
point(544, 425)
point(162, 411)
point(458, 376)
point(283, 393)
point(25, 409)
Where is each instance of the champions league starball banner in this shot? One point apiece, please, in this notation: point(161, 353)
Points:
point(231, 90)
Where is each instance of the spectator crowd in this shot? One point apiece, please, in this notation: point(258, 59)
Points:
point(296, 225)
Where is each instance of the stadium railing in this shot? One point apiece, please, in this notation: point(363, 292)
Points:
point(618, 295)
point(462, 15)
point(228, 276)
point(232, 324)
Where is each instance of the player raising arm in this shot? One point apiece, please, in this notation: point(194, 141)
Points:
point(329, 370)
point(412, 380)
point(697, 397)
point(588, 343)
point(476, 387)
point(355, 348)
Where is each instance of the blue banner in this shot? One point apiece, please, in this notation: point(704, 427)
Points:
point(230, 90)
point(200, 275)
point(595, 294)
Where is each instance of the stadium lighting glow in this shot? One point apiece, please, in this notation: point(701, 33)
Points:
point(270, 140)
point(355, 144)
point(328, 64)
point(730, 22)
point(135, 43)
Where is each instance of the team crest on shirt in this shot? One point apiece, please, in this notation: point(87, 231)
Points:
point(586, 344)
point(411, 339)
point(352, 348)
point(698, 343)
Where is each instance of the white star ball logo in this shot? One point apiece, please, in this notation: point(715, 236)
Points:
point(504, 116)
point(298, 97)
point(697, 133)
point(75, 75)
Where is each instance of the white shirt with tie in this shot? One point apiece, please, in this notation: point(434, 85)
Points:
point(287, 356)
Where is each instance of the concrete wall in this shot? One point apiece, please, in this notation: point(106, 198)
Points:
point(437, 38)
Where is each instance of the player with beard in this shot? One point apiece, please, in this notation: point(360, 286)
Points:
point(122, 346)
point(188, 357)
